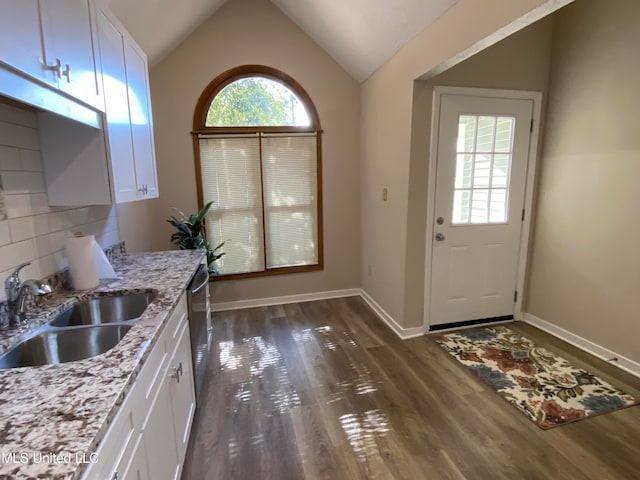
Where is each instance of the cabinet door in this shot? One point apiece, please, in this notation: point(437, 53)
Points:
point(116, 448)
point(182, 392)
point(114, 77)
point(141, 120)
point(159, 436)
point(20, 41)
point(67, 36)
point(136, 469)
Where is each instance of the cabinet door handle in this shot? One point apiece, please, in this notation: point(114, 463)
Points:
point(177, 372)
point(66, 72)
point(54, 68)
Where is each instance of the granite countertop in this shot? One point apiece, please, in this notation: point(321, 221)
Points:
point(54, 416)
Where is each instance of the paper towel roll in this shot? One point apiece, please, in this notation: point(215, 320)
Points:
point(82, 262)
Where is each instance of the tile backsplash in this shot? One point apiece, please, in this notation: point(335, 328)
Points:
point(31, 230)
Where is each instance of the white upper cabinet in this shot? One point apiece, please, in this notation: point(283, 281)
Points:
point(68, 28)
point(53, 41)
point(116, 164)
point(114, 77)
point(20, 41)
point(141, 119)
point(60, 56)
point(128, 113)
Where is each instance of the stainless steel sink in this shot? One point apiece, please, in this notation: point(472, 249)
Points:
point(64, 345)
point(105, 309)
point(88, 328)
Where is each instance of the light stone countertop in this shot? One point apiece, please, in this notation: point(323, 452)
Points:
point(53, 416)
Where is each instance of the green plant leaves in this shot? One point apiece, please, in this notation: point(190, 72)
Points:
point(191, 235)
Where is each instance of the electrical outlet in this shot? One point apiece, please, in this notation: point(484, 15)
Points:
point(385, 194)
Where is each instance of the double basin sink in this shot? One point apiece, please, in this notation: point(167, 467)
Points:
point(86, 329)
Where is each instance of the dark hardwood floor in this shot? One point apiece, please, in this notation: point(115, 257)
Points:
point(325, 390)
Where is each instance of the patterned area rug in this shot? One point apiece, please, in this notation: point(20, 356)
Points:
point(545, 387)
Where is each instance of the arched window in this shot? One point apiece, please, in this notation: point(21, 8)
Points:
point(257, 152)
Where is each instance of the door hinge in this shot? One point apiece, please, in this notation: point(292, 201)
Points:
point(522, 215)
point(531, 126)
point(515, 296)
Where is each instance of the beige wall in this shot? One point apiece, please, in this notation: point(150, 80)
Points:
point(519, 62)
point(585, 263)
point(256, 32)
point(386, 116)
point(136, 223)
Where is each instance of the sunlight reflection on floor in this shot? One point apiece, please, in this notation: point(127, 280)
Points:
point(256, 359)
point(363, 431)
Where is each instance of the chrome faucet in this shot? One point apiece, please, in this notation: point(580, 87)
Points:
point(17, 293)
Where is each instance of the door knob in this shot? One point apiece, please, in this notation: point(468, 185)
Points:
point(439, 237)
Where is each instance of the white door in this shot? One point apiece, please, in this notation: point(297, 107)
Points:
point(483, 147)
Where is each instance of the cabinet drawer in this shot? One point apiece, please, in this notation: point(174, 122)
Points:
point(178, 318)
point(154, 365)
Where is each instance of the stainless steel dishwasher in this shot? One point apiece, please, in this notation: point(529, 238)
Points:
point(199, 324)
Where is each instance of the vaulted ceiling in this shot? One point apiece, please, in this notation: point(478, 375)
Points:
point(360, 35)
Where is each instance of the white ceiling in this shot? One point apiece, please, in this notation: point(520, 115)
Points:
point(360, 35)
point(159, 26)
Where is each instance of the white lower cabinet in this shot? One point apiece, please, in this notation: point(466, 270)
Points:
point(148, 437)
point(159, 438)
point(166, 431)
point(136, 467)
point(182, 394)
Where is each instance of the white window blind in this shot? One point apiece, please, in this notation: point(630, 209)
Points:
point(290, 183)
point(231, 178)
point(264, 189)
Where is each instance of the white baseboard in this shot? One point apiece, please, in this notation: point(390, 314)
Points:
point(264, 302)
point(403, 333)
point(588, 346)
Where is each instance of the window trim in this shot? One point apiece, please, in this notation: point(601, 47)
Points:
point(200, 128)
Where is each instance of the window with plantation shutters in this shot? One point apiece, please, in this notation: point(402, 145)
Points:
point(260, 165)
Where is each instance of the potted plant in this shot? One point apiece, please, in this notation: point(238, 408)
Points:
point(191, 235)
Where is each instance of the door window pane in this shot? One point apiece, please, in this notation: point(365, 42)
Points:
point(498, 209)
point(464, 167)
point(501, 164)
point(461, 206)
point(479, 202)
point(486, 129)
point(467, 133)
point(504, 134)
point(483, 169)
